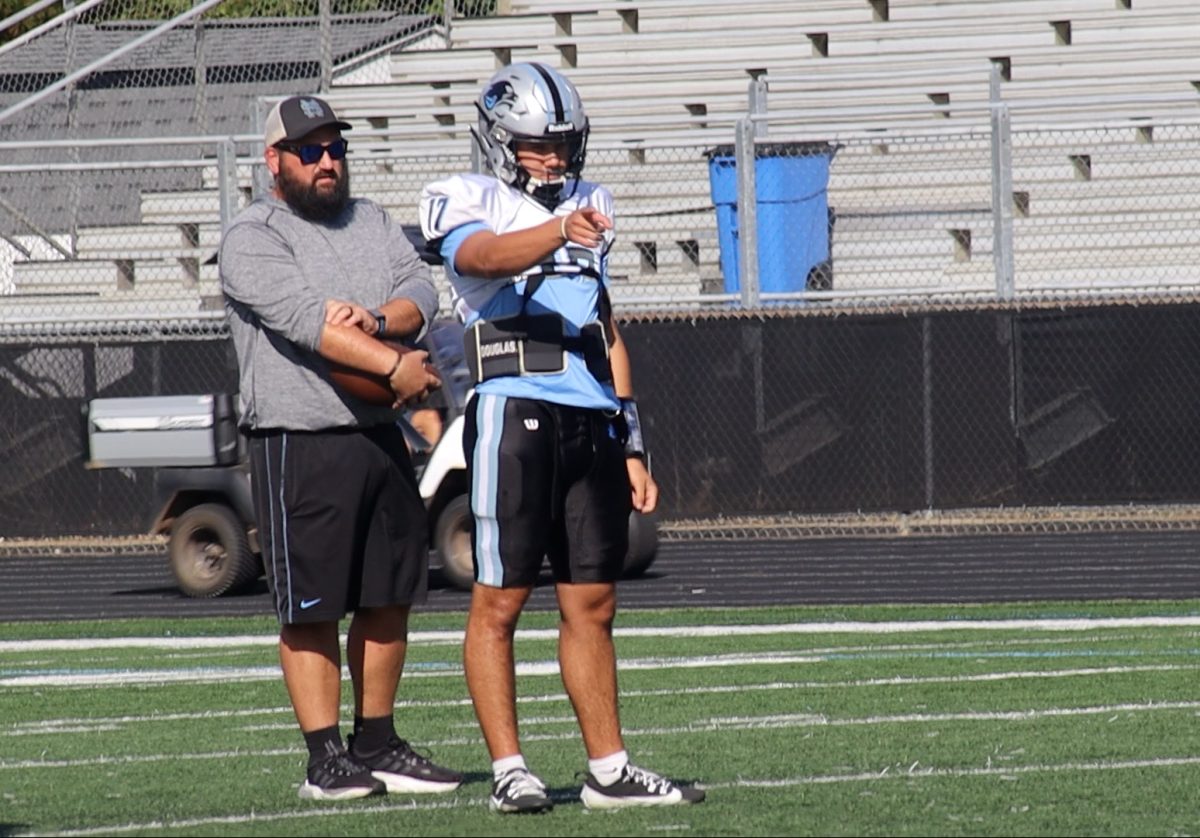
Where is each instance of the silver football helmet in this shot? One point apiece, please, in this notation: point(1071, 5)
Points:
point(531, 103)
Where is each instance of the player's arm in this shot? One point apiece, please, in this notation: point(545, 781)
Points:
point(490, 255)
point(641, 482)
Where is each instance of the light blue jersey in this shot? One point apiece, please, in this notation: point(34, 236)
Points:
point(457, 207)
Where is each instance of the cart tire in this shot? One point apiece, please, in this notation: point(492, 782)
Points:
point(453, 540)
point(209, 552)
point(643, 543)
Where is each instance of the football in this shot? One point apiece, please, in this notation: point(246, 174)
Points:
point(366, 386)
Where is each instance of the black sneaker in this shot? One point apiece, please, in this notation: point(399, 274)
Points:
point(402, 769)
point(637, 787)
point(519, 791)
point(339, 776)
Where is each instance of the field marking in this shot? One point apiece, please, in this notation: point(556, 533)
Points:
point(47, 726)
point(208, 675)
point(456, 635)
point(258, 817)
point(913, 773)
point(155, 678)
point(719, 724)
point(435, 669)
point(401, 703)
point(918, 771)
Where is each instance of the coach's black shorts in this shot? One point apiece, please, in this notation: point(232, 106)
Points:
point(340, 521)
point(546, 480)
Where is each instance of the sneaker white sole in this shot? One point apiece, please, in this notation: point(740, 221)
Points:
point(593, 799)
point(510, 809)
point(310, 792)
point(403, 784)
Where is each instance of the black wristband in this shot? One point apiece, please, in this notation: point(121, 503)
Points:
point(635, 446)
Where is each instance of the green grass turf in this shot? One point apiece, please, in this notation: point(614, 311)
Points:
point(962, 731)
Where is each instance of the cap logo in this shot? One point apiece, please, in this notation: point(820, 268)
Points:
point(311, 108)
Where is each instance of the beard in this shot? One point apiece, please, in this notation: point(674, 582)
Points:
point(311, 202)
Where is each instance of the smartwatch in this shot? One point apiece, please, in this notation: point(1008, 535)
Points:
point(380, 320)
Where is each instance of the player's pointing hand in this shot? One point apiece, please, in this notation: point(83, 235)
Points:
point(586, 226)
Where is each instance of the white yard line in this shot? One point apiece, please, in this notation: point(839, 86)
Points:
point(48, 726)
point(712, 725)
point(208, 675)
point(62, 724)
point(917, 770)
point(257, 817)
point(456, 636)
point(913, 773)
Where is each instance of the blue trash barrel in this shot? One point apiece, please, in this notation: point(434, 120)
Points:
point(791, 185)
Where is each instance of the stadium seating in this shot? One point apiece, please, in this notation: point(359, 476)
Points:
point(901, 87)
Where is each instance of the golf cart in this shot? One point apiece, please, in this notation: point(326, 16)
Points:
point(203, 480)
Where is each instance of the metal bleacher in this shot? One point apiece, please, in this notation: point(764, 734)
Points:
point(665, 81)
point(671, 75)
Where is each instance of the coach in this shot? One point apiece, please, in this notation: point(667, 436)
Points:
point(311, 277)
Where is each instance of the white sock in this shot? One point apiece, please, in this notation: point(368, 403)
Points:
point(607, 770)
point(502, 766)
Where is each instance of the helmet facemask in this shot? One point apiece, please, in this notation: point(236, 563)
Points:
point(548, 190)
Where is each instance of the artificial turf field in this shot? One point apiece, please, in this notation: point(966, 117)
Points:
point(1047, 719)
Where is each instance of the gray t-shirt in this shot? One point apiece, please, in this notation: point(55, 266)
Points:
point(277, 271)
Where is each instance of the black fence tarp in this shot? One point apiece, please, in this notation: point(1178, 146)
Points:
point(944, 410)
point(745, 416)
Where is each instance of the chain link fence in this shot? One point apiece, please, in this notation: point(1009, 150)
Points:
point(985, 311)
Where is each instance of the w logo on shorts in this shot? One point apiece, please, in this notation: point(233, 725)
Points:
point(532, 424)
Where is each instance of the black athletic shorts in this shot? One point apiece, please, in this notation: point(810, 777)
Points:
point(340, 521)
point(546, 480)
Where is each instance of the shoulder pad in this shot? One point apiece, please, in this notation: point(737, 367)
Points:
point(455, 201)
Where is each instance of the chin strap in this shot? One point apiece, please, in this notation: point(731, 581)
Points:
point(534, 184)
point(545, 193)
point(635, 446)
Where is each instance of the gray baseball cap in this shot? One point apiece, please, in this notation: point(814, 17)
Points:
point(299, 116)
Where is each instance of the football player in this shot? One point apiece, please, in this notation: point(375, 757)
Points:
point(553, 440)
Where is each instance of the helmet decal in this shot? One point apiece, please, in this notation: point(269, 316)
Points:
point(500, 98)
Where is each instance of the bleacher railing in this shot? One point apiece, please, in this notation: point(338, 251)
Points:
point(982, 202)
point(996, 207)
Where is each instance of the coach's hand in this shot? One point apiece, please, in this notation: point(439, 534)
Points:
point(412, 379)
point(346, 313)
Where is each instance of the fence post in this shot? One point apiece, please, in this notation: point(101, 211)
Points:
point(448, 22)
point(200, 65)
point(747, 212)
point(261, 180)
point(758, 105)
point(75, 191)
point(325, 27)
point(227, 181)
point(1002, 208)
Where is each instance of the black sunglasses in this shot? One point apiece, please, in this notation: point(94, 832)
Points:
point(310, 153)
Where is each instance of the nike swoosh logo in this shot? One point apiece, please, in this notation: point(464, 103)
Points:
point(305, 604)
